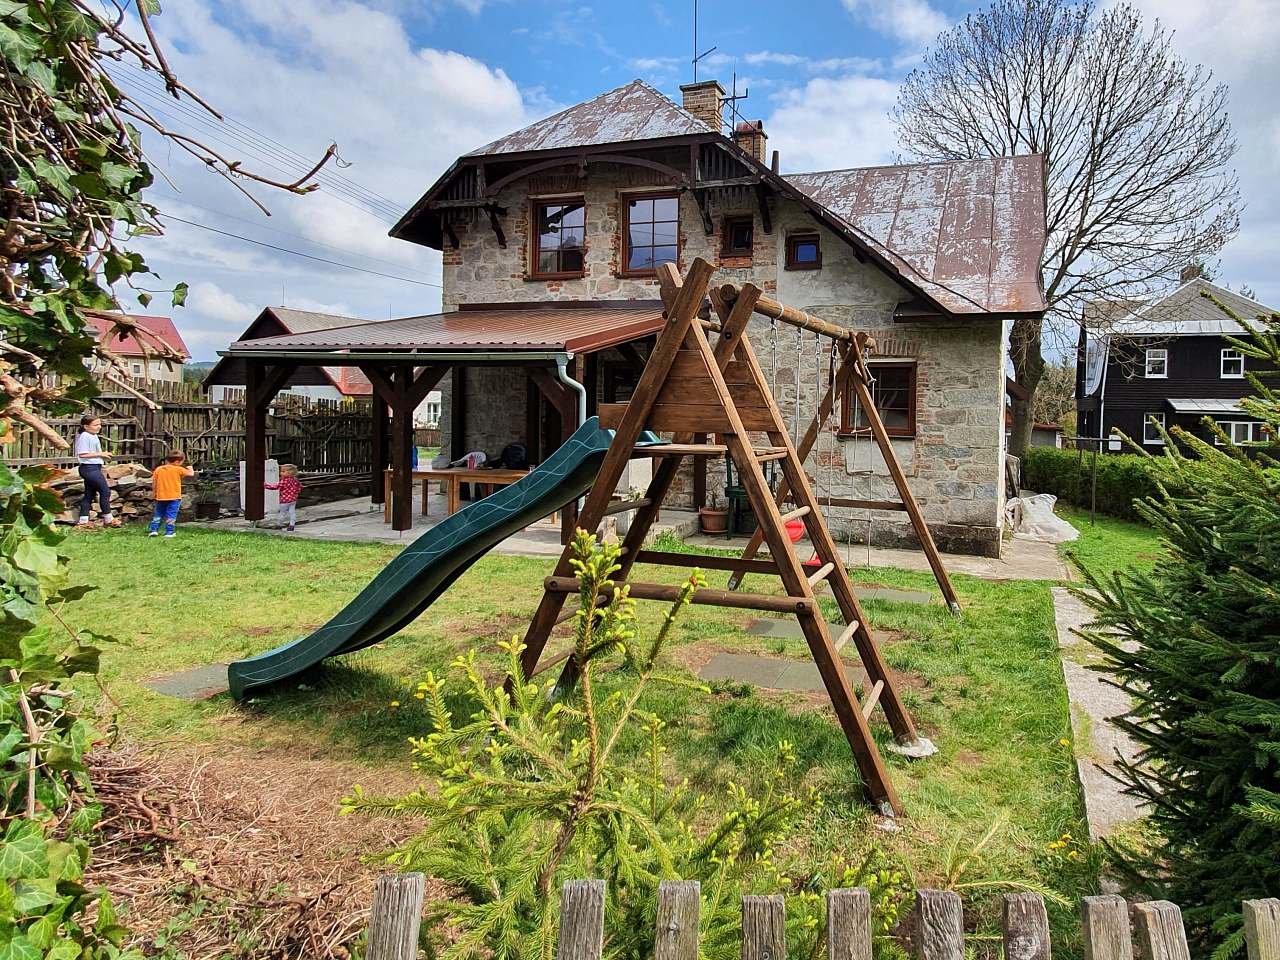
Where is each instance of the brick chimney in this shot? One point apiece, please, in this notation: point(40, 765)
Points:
point(1191, 272)
point(750, 136)
point(704, 100)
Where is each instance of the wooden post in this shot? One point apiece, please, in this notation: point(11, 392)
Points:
point(458, 413)
point(381, 450)
point(1160, 933)
point(849, 924)
point(402, 451)
point(939, 925)
point(1026, 927)
point(764, 928)
point(676, 933)
point(395, 917)
point(255, 442)
point(1105, 921)
point(1262, 929)
point(581, 920)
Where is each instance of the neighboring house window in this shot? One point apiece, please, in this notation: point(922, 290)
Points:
point(894, 394)
point(135, 369)
point(559, 238)
point(1240, 431)
point(804, 251)
point(1232, 363)
point(650, 232)
point(1152, 424)
point(739, 233)
point(1157, 363)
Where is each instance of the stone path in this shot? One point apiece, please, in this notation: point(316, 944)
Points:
point(1093, 703)
point(774, 673)
point(198, 683)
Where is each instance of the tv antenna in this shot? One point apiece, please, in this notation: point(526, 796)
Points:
point(696, 55)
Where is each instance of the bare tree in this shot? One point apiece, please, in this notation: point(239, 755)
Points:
point(1136, 144)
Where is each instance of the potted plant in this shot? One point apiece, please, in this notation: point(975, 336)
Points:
point(207, 504)
point(714, 518)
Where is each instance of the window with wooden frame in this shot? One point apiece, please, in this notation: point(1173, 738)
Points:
point(1232, 365)
point(650, 232)
point(804, 251)
point(1152, 424)
point(1157, 363)
point(558, 246)
point(737, 236)
point(894, 396)
point(1240, 432)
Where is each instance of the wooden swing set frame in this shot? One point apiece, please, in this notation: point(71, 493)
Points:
point(692, 389)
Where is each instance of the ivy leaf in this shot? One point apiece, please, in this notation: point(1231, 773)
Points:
point(64, 950)
point(36, 557)
point(22, 853)
point(9, 7)
point(117, 175)
point(144, 298)
point(16, 946)
point(180, 295)
point(17, 46)
point(39, 72)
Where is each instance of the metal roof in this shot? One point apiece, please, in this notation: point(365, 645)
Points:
point(635, 111)
point(160, 328)
point(1205, 406)
point(566, 326)
point(1188, 312)
point(969, 232)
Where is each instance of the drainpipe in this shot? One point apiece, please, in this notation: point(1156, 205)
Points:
point(562, 373)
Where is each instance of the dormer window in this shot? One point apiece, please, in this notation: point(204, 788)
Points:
point(1157, 364)
point(650, 232)
point(804, 252)
point(559, 239)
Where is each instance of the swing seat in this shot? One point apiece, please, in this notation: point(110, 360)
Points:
point(795, 530)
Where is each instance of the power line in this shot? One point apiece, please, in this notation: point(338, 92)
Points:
point(299, 253)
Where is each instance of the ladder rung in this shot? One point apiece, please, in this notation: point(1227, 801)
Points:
point(822, 573)
point(622, 506)
point(566, 615)
point(546, 665)
point(795, 514)
point(872, 699)
point(683, 450)
point(849, 631)
point(764, 456)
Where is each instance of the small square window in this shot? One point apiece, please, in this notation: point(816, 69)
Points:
point(1232, 364)
point(804, 252)
point(135, 369)
point(738, 237)
point(650, 233)
point(1157, 363)
point(1152, 424)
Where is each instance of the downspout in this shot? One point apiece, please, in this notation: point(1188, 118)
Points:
point(562, 373)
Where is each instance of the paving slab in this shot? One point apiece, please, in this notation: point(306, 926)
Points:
point(1099, 743)
point(198, 683)
point(773, 673)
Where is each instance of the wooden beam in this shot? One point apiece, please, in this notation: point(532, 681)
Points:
point(458, 414)
point(381, 385)
point(426, 381)
point(497, 226)
point(797, 318)
point(706, 561)
point(762, 202)
point(707, 596)
point(381, 446)
point(255, 442)
point(700, 197)
point(402, 451)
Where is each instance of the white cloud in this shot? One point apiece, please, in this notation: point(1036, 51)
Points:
point(305, 73)
point(810, 64)
point(911, 21)
point(832, 123)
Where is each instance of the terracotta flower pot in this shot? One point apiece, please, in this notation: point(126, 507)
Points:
point(713, 519)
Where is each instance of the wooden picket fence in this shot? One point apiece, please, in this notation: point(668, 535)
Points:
point(1111, 926)
point(319, 435)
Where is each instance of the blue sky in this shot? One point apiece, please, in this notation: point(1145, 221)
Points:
point(404, 86)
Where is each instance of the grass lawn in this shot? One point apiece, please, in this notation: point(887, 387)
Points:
point(986, 687)
point(1108, 544)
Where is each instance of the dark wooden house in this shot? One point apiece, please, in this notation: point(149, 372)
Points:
point(1169, 362)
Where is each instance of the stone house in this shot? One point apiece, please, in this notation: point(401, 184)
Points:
point(932, 260)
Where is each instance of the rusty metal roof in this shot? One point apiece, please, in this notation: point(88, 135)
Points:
point(568, 326)
point(970, 233)
point(635, 111)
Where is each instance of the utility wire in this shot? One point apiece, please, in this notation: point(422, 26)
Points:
point(299, 253)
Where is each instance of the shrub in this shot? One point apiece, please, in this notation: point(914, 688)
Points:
point(1067, 474)
point(1196, 645)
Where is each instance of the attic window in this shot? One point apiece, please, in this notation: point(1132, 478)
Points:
point(804, 252)
point(559, 238)
point(737, 236)
point(650, 232)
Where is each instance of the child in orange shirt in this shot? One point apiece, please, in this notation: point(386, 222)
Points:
point(166, 484)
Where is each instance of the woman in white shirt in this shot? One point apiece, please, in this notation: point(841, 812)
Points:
point(89, 452)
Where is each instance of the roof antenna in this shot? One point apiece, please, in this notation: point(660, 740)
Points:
point(732, 100)
point(696, 55)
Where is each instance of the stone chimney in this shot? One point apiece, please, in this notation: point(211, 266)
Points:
point(1191, 271)
point(750, 136)
point(704, 100)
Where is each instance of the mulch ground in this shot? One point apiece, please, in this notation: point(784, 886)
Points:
point(239, 854)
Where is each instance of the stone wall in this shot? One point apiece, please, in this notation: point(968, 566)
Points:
point(954, 461)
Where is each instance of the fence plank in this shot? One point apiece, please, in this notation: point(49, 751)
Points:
point(939, 925)
point(764, 932)
point(1160, 933)
point(1262, 929)
point(1026, 927)
point(581, 920)
point(679, 906)
point(849, 924)
point(1105, 922)
point(395, 916)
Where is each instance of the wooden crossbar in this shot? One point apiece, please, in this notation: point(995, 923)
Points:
point(873, 698)
point(706, 596)
point(706, 561)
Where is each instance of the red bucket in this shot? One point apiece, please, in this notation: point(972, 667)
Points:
point(795, 530)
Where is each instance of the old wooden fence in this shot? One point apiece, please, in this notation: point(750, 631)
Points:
point(1112, 928)
point(329, 436)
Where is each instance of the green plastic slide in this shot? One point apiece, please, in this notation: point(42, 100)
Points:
point(427, 567)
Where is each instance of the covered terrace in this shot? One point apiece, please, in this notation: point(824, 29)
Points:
point(555, 347)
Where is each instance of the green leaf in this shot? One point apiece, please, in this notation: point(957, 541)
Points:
point(9, 7)
point(30, 895)
point(144, 298)
point(180, 295)
point(18, 46)
point(15, 945)
point(22, 852)
point(117, 175)
point(64, 950)
point(35, 557)
point(40, 73)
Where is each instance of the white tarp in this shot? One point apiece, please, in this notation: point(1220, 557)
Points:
point(1032, 518)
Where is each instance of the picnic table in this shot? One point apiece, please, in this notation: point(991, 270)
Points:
point(454, 478)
